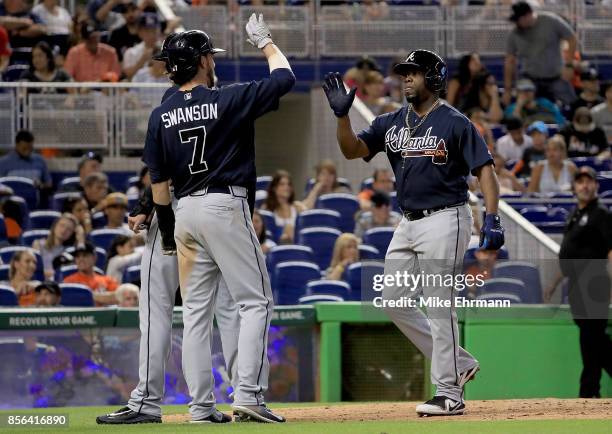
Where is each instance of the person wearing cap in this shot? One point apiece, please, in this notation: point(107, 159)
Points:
point(149, 31)
point(536, 43)
point(5, 49)
point(103, 286)
point(380, 215)
point(126, 36)
point(22, 161)
point(91, 60)
point(589, 96)
point(512, 145)
point(602, 113)
point(115, 207)
point(583, 137)
point(538, 131)
point(48, 294)
point(585, 253)
point(24, 28)
point(529, 108)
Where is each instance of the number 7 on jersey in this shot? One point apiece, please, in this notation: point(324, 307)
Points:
point(196, 137)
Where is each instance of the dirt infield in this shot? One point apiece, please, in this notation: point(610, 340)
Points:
point(512, 409)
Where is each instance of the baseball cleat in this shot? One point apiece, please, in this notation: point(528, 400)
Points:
point(127, 416)
point(440, 406)
point(468, 375)
point(215, 417)
point(257, 413)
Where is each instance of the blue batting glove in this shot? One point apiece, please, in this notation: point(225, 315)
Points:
point(491, 233)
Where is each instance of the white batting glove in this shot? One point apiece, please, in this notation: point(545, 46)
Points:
point(258, 33)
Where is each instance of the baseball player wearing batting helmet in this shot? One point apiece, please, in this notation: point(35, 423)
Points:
point(202, 139)
point(432, 149)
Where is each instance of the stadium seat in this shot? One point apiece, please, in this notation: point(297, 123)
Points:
point(605, 181)
point(263, 182)
point(66, 270)
point(3, 234)
point(502, 296)
point(394, 203)
point(270, 224)
point(317, 217)
point(23, 187)
point(132, 200)
point(312, 181)
point(287, 252)
point(318, 298)
point(346, 204)
point(76, 295)
point(291, 278)
point(379, 238)
point(24, 212)
point(59, 199)
point(367, 252)
point(69, 183)
point(6, 254)
point(366, 184)
point(552, 227)
point(535, 213)
point(132, 275)
point(132, 181)
point(8, 296)
point(504, 285)
point(43, 219)
point(360, 277)
point(598, 164)
point(336, 288)
point(562, 195)
point(606, 194)
point(558, 214)
point(28, 237)
point(321, 241)
point(260, 197)
point(104, 237)
point(98, 220)
point(100, 256)
point(525, 272)
point(4, 272)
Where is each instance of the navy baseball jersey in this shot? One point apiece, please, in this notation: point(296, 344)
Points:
point(432, 166)
point(205, 137)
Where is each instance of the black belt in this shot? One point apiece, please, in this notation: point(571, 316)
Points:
point(418, 214)
point(235, 191)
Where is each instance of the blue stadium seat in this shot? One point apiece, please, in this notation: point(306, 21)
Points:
point(321, 241)
point(13, 72)
point(260, 197)
point(552, 227)
point(43, 219)
point(132, 200)
point(98, 220)
point(598, 164)
point(319, 298)
point(367, 252)
point(525, 272)
point(28, 237)
point(379, 238)
point(562, 195)
point(287, 252)
point(23, 210)
point(360, 277)
point(6, 254)
point(317, 217)
point(263, 182)
point(346, 204)
point(104, 237)
point(69, 183)
point(335, 288)
point(394, 203)
point(312, 181)
point(76, 295)
point(290, 280)
point(131, 274)
point(8, 296)
point(498, 131)
point(59, 199)
point(606, 194)
point(270, 223)
point(66, 270)
point(605, 181)
point(23, 187)
point(366, 184)
point(131, 182)
point(3, 234)
point(504, 285)
point(535, 213)
point(502, 296)
point(558, 214)
point(100, 256)
point(4, 272)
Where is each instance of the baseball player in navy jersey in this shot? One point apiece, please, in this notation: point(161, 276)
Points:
point(202, 139)
point(432, 148)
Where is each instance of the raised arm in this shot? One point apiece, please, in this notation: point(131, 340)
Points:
point(258, 35)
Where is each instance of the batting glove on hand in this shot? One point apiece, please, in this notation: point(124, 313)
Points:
point(258, 33)
point(492, 233)
point(339, 99)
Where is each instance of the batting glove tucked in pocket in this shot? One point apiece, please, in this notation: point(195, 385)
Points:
point(258, 33)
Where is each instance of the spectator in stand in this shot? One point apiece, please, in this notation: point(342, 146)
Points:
point(121, 255)
point(25, 28)
point(355, 76)
point(484, 94)
point(393, 83)
point(90, 162)
point(374, 94)
point(554, 174)
point(58, 23)
point(260, 229)
point(126, 36)
point(479, 119)
point(78, 208)
point(103, 286)
point(44, 69)
point(326, 181)
point(583, 137)
point(507, 180)
point(281, 201)
point(127, 295)
point(149, 31)
point(511, 146)
point(536, 43)
point(589, 97)
point(346, 252)
point(379, 216)
point(153, 72)
point(565, 94)
point(106, 14)
point(461, 83)
point(115, 207)
point(48, 294)
point(95, 187)
point(21, 271)
point(5, 50)
point(530, 109)
point(64, 232)
point(22, 161)
point(382, 180)
point(538, 131)
point(602, 113)
point(481, 270)
point(11, 212)
point(92, 60)
point(144, 181)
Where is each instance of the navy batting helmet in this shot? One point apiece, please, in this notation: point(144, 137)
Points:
point(430, 64)
point(183, 51)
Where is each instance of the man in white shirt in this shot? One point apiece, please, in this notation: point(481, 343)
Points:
point(512, 145)
point(149, 31)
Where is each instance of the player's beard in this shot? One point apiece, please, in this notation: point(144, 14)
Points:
point(210, 78)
